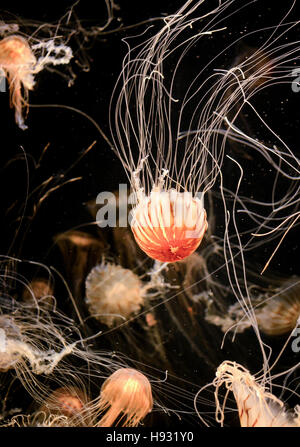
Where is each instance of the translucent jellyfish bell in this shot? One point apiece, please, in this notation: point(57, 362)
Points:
point(125, 394)
point(280, 314)
point(277, 311)
point(66, 401)
point(113, 292)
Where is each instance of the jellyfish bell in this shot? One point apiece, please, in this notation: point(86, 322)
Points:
point(113, 292)
point(169, 225)
point(276, 310)
point(125, 396)
point(39, 291)
point(67, 401)
point(80, 252)
point(30, 342)
point(280, 314)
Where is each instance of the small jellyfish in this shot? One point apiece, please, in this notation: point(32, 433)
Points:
point(17, 62)
point(126, 397)
point(279, 315)
point(66, 401)
point(40, 290)
point(257, 406)
point(8, 331)
point(113, 292)
point(276, 312)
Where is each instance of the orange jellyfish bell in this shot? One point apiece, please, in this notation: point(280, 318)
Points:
point(126, 396)
point(169, 225)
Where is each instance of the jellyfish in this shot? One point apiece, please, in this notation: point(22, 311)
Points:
point(276, 310)
point(113, 292)
point(279, 314)
point(257, 406)
point(19, 64)
point(171, 174)
point(126, 397)
point(40, 290)
point(69, 402)
point(17, 61)
point(173, 142)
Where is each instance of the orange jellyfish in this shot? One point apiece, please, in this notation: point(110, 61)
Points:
point(17, 61)
point(40, 291)
point(257, 406)
point(19, 64)
point(169, 225)
point(126, 397)
point(170, 167)
point(68, 402)
point(171, 123)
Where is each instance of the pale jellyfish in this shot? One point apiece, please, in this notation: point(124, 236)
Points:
point(123, 301)
point(126, 398)
point(280, 313)
point(113, 293)
point(257, 406)
point(276, 311)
